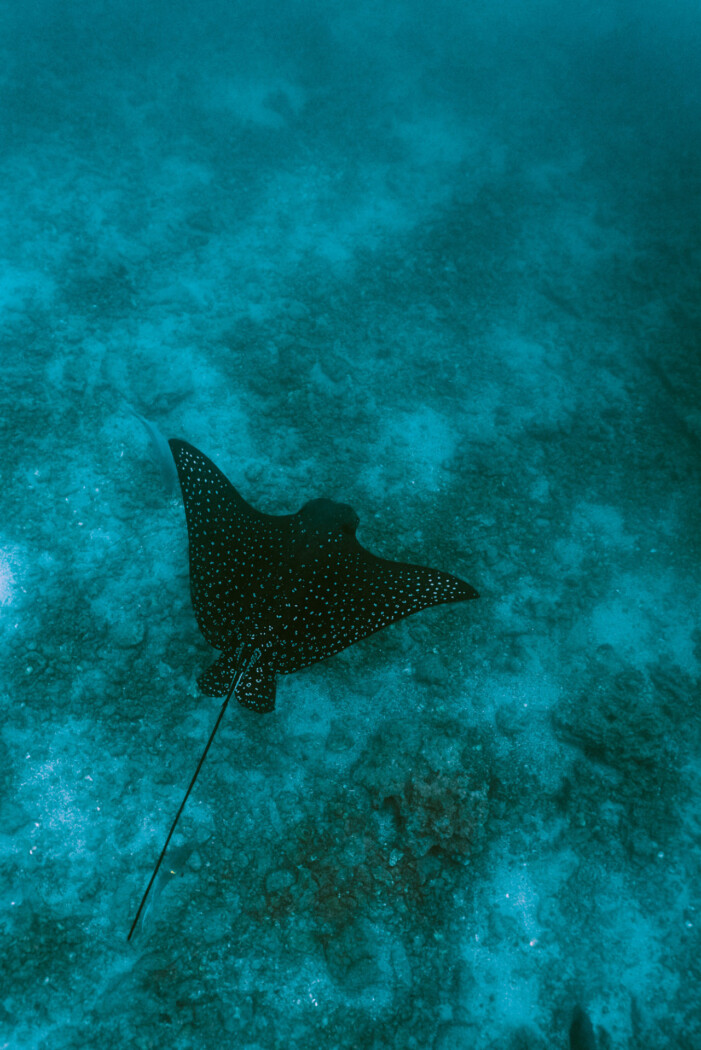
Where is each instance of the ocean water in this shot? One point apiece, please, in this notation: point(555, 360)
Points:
point(439, 262)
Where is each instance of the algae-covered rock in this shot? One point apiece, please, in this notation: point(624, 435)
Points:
point(368, 960)
point(641, 725)
point(435, 787)
point(621, 719)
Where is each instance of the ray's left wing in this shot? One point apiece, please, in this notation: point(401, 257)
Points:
point(237, 553)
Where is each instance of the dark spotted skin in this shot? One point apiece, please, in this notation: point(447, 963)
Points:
point(294, 588)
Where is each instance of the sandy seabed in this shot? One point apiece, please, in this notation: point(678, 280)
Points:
point(441, 265)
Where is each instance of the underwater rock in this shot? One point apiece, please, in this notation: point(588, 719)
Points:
point(13, 817)
point(431, 670)
point(127, 634)
point(512, 718)
point(619, 721)
point(526, 1038)
point(434, 786)
point(456, 1037)
point(364, 958)
point(279, 880)
point(581, 1031)
point(440, 811)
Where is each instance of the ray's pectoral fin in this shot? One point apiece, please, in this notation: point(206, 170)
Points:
point(256, 689)
point(217, 679)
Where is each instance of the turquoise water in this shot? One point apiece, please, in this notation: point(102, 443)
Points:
point(439, 263)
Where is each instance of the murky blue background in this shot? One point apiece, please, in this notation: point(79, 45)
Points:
point(441, 262)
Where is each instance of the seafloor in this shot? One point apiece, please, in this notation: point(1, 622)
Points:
point(441, 262)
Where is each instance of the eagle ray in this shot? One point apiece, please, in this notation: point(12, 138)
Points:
point(277, 593)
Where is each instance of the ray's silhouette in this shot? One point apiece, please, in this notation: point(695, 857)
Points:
point(276, 593)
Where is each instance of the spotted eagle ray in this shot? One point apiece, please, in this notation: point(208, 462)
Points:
point(276, 593)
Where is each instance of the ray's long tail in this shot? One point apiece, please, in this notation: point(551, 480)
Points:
point(238, 678)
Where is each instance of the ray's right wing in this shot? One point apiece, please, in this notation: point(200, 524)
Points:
point(348, 593)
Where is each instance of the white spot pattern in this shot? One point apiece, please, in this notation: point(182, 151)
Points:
point(299, 587)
